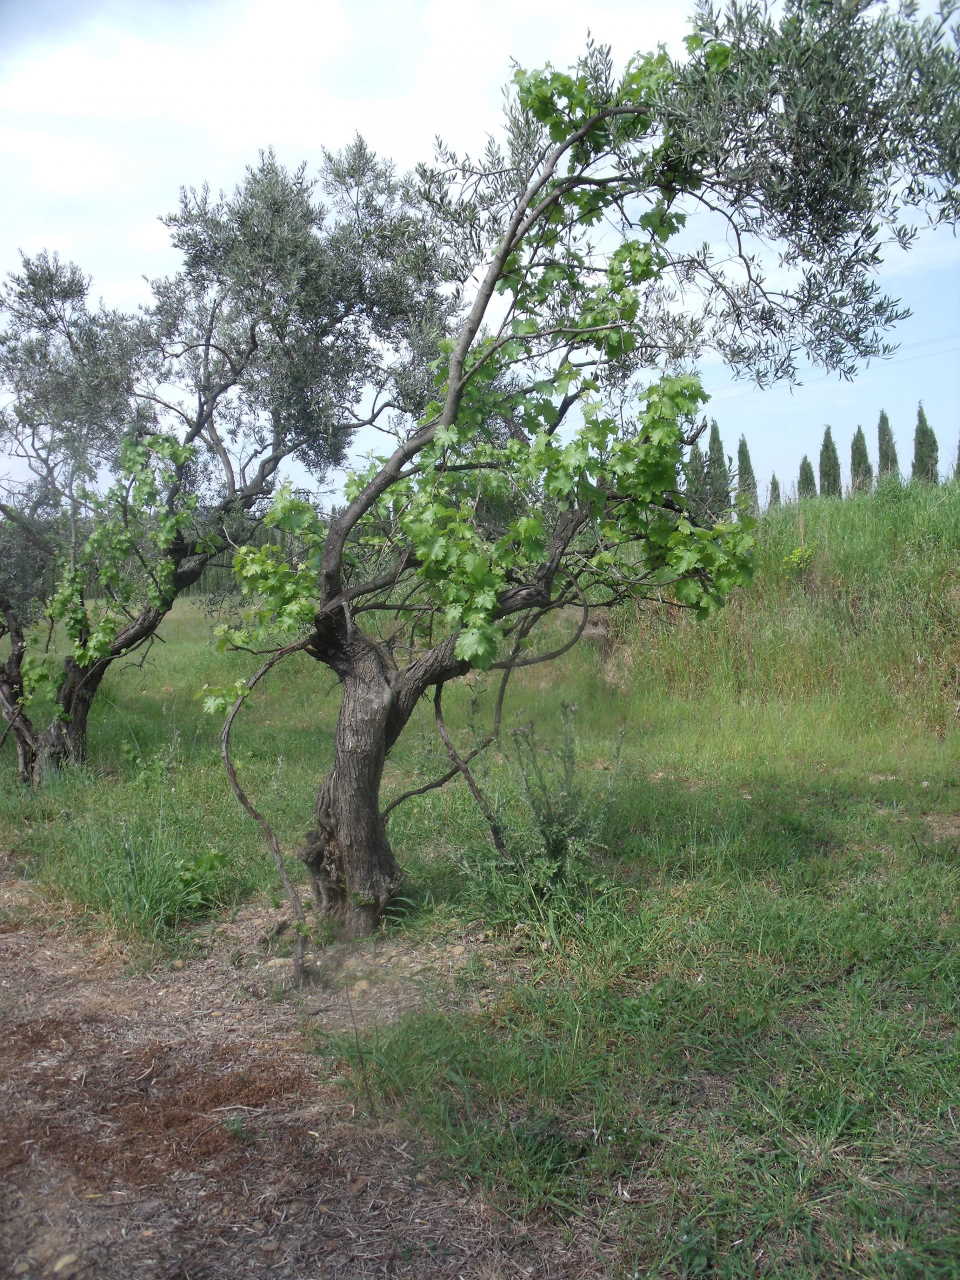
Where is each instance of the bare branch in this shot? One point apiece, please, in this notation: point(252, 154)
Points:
point(269, 835)
point(460, 764)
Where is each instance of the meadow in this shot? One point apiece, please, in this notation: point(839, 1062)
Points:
point(730, 1038)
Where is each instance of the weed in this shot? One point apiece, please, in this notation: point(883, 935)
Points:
point(237, 1127)
point(551, 866)
point(798, 561)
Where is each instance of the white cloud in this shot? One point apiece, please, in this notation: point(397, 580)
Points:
point(102, 121)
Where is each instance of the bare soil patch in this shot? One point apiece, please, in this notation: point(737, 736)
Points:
point(171, 1125)
point(943, 826)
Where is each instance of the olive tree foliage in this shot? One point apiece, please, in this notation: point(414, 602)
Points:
point(151, 440)
point(545, 472)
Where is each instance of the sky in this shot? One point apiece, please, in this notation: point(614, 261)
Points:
point(109, 107)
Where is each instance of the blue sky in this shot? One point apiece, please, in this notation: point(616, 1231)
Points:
point(108, 107)
point(783, 424)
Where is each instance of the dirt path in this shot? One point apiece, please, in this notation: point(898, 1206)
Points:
point(171, 1124)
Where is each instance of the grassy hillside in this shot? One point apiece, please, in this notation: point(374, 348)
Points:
point(727, 1035)
point(856, 604)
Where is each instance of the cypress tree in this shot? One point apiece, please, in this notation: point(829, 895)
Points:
point(695, 473)
point(830, 485)
point(774, 499)
point(887, 464)
point(926, 452)
point(746, 480)
point(718, 475)
point(806, 484)
point(956, 469)
point(861, 472)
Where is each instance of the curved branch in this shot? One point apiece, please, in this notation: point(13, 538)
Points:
point(460, 766)
point(525, 216)
point(491, 737)
point(513, 664)
point(269, 835)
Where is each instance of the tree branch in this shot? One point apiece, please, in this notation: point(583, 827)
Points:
point(269, 835)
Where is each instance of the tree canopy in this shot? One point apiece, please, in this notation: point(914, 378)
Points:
point(545, 471)
point(154, 438)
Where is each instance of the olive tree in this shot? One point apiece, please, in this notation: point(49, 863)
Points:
point(545, 473)
point(151, 440)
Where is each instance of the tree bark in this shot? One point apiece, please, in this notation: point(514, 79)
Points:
point(64, 741)
point(351, 864)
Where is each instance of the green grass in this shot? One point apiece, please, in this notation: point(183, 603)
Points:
point(855, 607)
point(148, 834)
point(746, 1051)
point(729, 1035)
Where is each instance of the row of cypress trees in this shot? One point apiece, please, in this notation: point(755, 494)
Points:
point(708, 477)
point(926, 460)
point(711, 477)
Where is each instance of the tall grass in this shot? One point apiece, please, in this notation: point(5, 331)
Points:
point(855, 605)
point(147, 834)
point(738, 1047)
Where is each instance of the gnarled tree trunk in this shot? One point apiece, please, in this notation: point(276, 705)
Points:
point(351, 864)
point(64, 741)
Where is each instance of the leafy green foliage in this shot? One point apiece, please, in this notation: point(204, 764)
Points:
point(284, 593)
point(798, 561)
point(467, 573)
point(218, 700)
point(127, 550)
